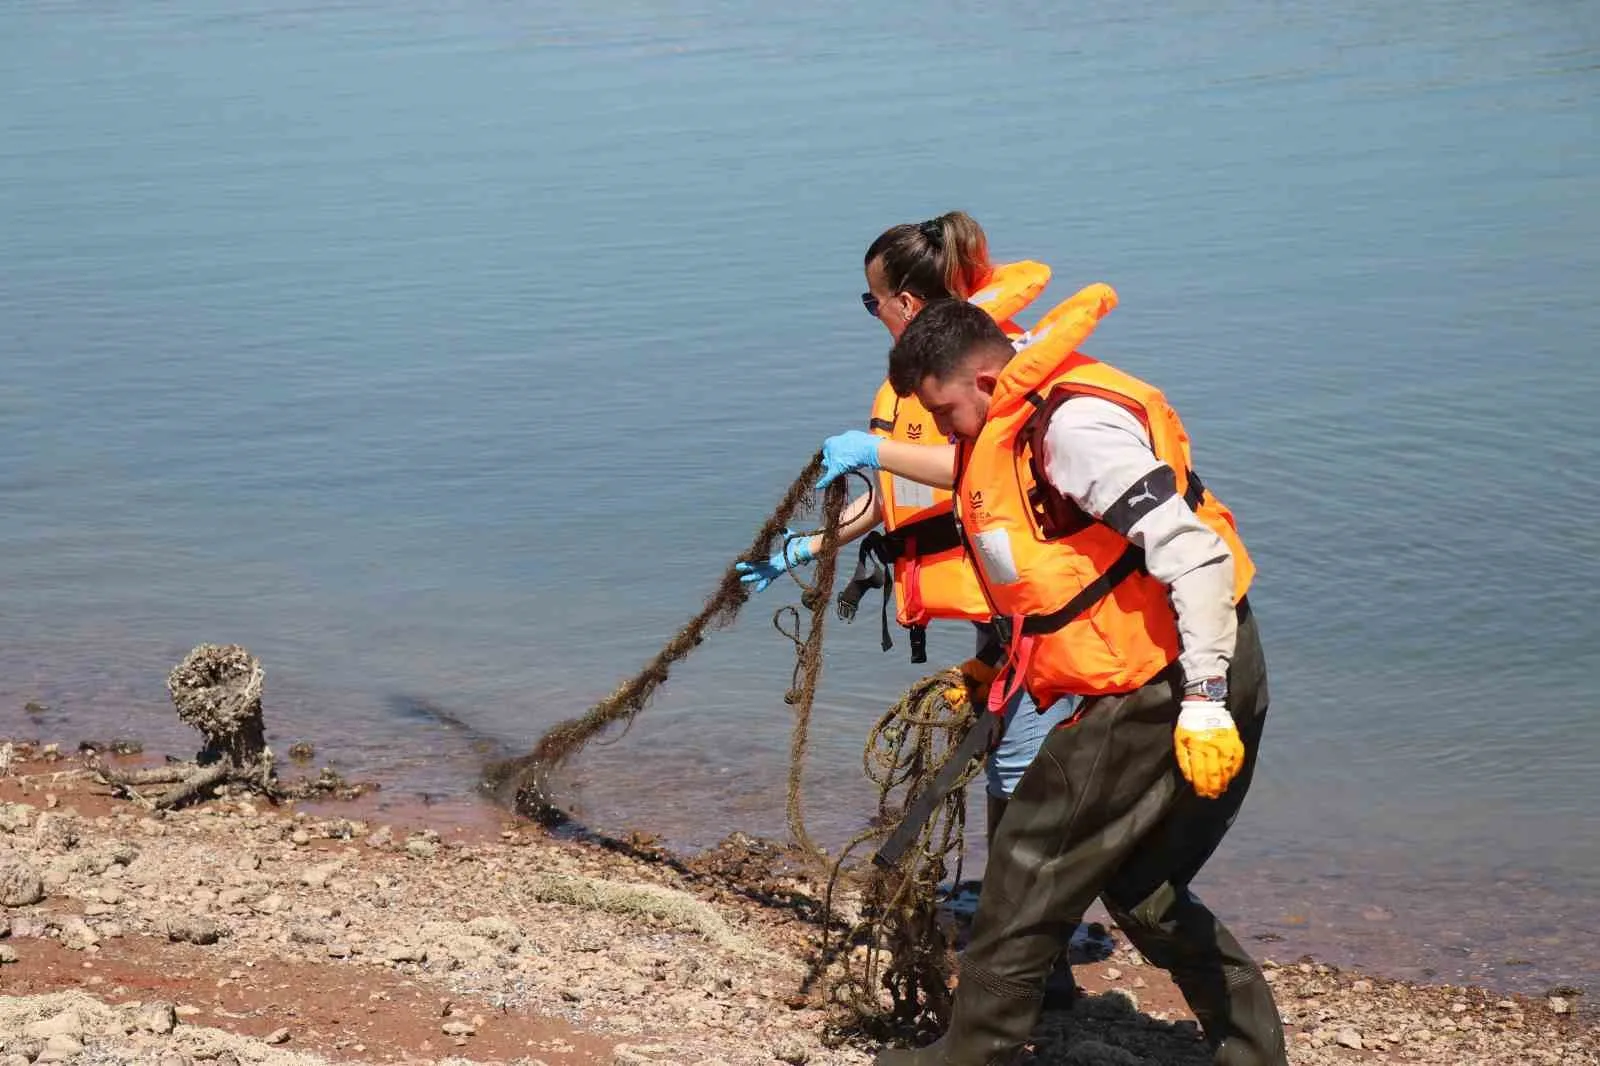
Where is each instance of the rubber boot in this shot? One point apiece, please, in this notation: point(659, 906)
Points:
point(989, 1023)
point(1222, 984)
point(996, 811)
point(1061, 989)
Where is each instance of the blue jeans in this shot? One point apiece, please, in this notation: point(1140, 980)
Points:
point(1026, 730)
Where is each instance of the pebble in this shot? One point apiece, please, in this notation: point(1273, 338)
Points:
point(20, 884)
point(300, 837)
point(1348, 1038)
point(60, 1048)
point(307, 934)
point(317, 876)
point(7, 954)
point(77, 935)
point(339, 951)
point(159, 1018)
point(457, 1029)
point(1113, 974)
point(278, 1036)
point(1560, 1005)
point(67, 1023)
point(193, 929)
point(793, 1052)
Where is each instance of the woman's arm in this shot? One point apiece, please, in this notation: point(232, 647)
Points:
point(867, 513)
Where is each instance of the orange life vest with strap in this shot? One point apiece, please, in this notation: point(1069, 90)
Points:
point(919, 553)
point(1071, 596)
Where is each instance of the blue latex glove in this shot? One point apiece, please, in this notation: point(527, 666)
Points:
point(854, 449)
point(796, 552)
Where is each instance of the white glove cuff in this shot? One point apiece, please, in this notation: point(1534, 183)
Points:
point(1199, 716)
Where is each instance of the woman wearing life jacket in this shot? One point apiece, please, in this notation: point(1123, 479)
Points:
point(906, 266)
point(919, 554)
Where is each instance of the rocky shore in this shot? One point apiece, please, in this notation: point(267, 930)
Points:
point(237, 933)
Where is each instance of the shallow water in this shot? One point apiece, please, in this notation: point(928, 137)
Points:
point(450, 355)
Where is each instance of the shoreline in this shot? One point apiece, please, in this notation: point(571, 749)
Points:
point(348, 938)
point(1488, 911)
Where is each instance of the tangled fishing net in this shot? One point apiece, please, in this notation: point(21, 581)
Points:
point(887, 966)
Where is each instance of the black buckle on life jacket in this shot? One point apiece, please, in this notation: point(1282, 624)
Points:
point(875, 570)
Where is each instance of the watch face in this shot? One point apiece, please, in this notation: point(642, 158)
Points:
point(1212, 688)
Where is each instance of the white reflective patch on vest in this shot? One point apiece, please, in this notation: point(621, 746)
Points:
point(911, 494)
point(984, 296)
point(994, 555)
point(1031, 338)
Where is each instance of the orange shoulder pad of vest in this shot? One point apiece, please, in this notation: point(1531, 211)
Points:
point(1059, 333)
point(1011, 287)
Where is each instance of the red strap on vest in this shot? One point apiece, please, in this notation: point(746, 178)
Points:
point(1014, 671)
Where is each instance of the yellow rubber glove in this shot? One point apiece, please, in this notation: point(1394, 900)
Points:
point(976, 676)
point(1210, 752)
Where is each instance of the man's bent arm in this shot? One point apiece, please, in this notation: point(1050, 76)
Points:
point(1098, 454)
point(926, 464)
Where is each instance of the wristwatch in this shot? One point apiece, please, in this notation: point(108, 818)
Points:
point(1207, 688)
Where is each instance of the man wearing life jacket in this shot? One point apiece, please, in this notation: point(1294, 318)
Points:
point(1117, 574)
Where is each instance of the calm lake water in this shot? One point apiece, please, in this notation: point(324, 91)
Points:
point(447, 356)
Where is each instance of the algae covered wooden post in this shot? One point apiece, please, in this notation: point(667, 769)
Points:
point(216, 690)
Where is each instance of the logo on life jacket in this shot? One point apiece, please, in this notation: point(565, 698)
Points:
point(914, 431)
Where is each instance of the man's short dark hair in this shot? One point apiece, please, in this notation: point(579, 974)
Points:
point(938, 340)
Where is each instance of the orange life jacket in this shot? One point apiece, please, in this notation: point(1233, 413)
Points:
point(926, 565)
point(1079, 611)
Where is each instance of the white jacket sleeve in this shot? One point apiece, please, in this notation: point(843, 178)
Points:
point(1098, 454)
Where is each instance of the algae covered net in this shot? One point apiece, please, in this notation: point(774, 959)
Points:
point(883, 952)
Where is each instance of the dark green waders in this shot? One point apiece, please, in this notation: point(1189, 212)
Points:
point(1061, 989)
point(1103, 811)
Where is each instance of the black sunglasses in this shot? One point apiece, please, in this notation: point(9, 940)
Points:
point(870, 302)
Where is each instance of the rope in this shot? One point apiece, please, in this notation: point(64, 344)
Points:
point(524, 780)
point(898, 949)
point(889, 971)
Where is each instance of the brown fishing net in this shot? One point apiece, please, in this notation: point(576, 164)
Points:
point(884, 952)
